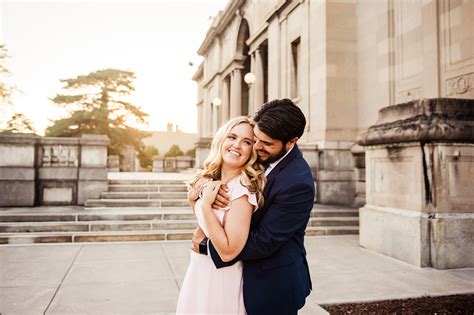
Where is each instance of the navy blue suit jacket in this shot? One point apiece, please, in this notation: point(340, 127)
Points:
point(276, 274)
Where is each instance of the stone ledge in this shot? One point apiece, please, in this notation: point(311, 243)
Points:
point(424, 120)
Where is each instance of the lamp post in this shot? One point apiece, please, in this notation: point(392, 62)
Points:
point(250, 79)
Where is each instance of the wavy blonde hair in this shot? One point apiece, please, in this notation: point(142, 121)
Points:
point(252, 174)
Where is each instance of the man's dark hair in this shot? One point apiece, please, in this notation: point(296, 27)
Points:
point(281, 120)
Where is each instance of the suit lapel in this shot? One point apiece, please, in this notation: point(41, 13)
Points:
point(271, 178)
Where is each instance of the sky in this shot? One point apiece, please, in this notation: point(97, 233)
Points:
point(60, 39)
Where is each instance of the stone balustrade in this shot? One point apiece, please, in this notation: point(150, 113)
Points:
point(38, 170)
point(172, 164)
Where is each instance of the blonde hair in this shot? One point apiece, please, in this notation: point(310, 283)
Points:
point(252, 174)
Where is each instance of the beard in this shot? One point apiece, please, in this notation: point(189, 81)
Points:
point(272, 158)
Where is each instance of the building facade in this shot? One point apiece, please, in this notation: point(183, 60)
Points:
point(340, 61)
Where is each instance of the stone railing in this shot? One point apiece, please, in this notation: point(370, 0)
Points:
point(172, 164)
point(37, 170)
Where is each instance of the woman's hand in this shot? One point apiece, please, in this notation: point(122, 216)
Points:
point(195, 190)
point(209, 192)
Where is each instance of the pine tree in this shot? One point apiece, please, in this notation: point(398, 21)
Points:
point(96, 105)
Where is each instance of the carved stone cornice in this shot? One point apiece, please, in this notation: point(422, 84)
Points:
point(424, 120)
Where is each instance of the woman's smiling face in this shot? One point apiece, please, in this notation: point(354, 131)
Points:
point(238, 146)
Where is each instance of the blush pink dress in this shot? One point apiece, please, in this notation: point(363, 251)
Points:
point(206, 289)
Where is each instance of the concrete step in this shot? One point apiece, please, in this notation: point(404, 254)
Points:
point(333, 230)
point(148, 188)
point(144, 195)
point(147, 182)
point(94, 226)
point(108, 236)
point(100, 214)
point(107, 203)
point(334, 221)
point(320, 213)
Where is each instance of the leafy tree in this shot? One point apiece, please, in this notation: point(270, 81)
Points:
point(191, 152)
point(5, 89)
point(174, 151)
point(19, 123)
point(96, 105)
point(146, 155)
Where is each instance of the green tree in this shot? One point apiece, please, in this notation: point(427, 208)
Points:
point(146, 155)
point(191, 152)
point(174, 151)
point(96, 104)
point(5, 88)
point(19, 123)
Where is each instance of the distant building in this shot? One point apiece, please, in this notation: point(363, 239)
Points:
point(163, 140)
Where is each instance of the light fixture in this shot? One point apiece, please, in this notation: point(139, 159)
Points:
point(216, 101)
point(250, 78)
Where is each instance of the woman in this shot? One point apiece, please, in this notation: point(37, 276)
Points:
point(232, 160)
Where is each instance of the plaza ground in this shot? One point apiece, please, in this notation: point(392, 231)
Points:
point(145, 277)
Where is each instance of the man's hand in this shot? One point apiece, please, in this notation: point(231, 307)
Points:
point(223, 198)
point(198, 236)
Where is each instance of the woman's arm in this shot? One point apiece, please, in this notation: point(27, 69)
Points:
point(230, 239)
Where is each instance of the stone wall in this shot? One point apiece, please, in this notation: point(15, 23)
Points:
point(51, 171)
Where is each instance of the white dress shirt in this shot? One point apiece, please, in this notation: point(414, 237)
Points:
point(272, 165)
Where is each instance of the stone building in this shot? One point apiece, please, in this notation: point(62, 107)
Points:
point(380, 70)
point(341, 62)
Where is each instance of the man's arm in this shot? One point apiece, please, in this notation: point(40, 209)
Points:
point(288, 213)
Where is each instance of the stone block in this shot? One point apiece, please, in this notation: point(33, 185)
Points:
point(336, 193)
point(17, 155)
point(58, 195)
point(359, 174)
point(57, 192)
point(17, 193)
point(395, 177)
point(400, 234)
point(336, 160)
point(452, 243)
point(90, 190)
point(57, 173)
point(17, 173)
point(331, 176)
point(158, 164)
point(94, 156)
point(92, 174)
point(454, 177)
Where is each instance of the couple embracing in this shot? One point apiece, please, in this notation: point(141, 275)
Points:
point(252, 202)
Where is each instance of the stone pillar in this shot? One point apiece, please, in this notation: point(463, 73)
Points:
point(158, 164)
point(113, 163)
point(202, 151)
point(358, 154)
point(420, 174)
point(236, 94)
point(225, 101)
point(258, 86)
point(92, 178)
point(17, 169)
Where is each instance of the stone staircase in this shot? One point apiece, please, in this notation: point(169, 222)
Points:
point(137, 210)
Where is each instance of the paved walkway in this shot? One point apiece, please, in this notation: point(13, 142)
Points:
point(133, 278)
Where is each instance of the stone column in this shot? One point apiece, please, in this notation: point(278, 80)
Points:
point(93, 167)
point(158, 164)
point(17, 169)
point(419, 184)
point(236, 94)
point(258, 86)
point(225, 101)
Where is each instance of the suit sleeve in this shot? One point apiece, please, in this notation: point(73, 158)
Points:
point(288, 213)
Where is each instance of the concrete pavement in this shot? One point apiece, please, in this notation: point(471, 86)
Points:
point(145, 277)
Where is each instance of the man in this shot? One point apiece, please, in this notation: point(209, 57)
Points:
point(276, 274)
